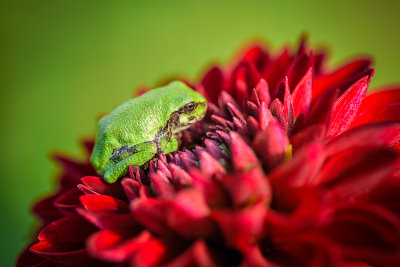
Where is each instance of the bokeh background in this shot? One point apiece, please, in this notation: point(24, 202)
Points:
point(65, 62)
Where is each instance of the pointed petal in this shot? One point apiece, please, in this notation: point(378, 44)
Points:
point(152, 214)
point(243, 157)
point(162, 185)
point(189, 216)
point(242, 228)
point(131, 188)
point(288, 104)
point(211, 84)
point(302, 94)
point(279, 113)
point(210, 166)
point(346, 107)
point(248, 187)
point(265, 116)
point(270, 145)
point(262, 90)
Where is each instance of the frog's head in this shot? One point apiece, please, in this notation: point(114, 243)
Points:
point(192, 110)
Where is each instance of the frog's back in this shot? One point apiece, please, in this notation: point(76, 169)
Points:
point(140, 119)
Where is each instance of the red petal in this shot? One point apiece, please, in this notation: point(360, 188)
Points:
point(214, 192)
point(313, 133)
point(162, 185)
point(152, 213)
point(156, 252)
point(271, 145)
point(346, 107)
point(211, 84)
point(388, 112)
point(278, 111)
point(210, 166)
point(303, 250)
point(253, 258)
point(353, 173)
point(257, 55)
point(323, 107)
point(387, 194)
point(46, 211)
point(299, 171)
point(27, 258)
point(69, 201)
point(242, 228)
point(95, 185)
point(288, 104)
point(368, 233)
point(262, 90)
point(104, 203)
point(67, 254)
point(242, 155)
point(299, 66)
point(302, 94)
point(265, 116)
point(73, 170)
point(189, 215)
point(275, 70)
point(384, 134)
point(213, 148)
point(299, 209)
point(69, 229)
point(131, 188)
point(180, 176)
point(379, 98)
point(349, 72)
point(121, 222)
point(197, 255)
point(247, 187)
point(111, 246)
point(244, 78)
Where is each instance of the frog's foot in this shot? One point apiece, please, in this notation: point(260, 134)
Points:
point(144, 152)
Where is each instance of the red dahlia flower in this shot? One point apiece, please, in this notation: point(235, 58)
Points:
point(293, 166)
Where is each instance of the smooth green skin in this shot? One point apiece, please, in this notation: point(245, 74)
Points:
point(143, 125)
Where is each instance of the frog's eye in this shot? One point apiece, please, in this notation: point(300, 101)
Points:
point(190, 107)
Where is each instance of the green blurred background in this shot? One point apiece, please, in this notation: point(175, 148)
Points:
point(65, 62)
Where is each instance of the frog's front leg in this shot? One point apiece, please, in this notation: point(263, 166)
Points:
point(168, 144)
point(143, 153)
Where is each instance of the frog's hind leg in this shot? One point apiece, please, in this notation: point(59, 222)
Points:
point(143, 153)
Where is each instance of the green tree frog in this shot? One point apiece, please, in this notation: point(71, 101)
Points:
point(144, 127)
